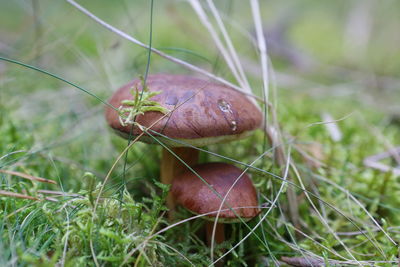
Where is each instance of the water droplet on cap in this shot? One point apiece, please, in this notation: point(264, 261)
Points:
point(224, 106)
point(233, 125)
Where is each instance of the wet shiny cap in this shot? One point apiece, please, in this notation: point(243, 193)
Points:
point(202, 112)
point(193, 194)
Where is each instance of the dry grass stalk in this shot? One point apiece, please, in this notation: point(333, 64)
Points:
point(332, 127)
point(373, 161)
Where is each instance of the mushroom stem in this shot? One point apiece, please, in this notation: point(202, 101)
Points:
point(218, 238)
point(219, 232)
point(171, 166)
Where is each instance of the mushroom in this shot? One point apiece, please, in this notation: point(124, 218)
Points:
point(201, 113)
point(229, 182)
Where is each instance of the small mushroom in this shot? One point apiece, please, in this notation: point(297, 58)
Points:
point(201, 113)
point(197, 197)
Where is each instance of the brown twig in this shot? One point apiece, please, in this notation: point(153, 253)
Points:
point(17, 195)
point(29, 177)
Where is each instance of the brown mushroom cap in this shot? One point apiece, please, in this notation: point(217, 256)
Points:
point(206, 112)
point(192, 193)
